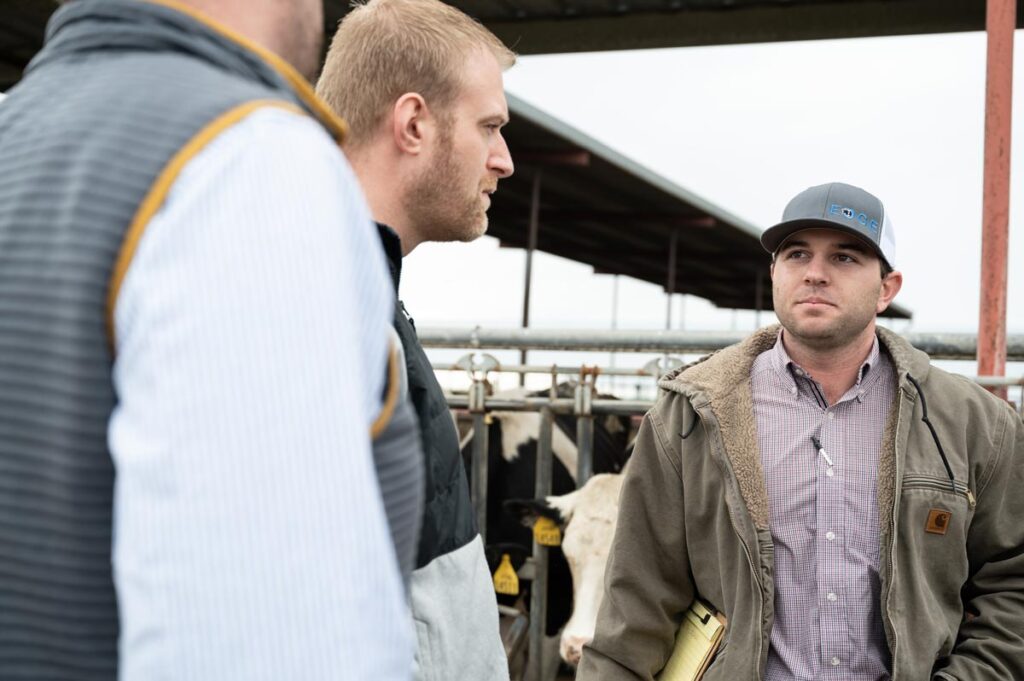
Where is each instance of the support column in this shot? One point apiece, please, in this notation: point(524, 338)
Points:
point(670, 280)
point(759, 295)
point(531, 247)
point(1000, 22)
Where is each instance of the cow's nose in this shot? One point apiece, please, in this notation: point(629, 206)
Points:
point(573, 648)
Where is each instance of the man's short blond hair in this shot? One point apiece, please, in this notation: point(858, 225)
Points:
point(386, 48)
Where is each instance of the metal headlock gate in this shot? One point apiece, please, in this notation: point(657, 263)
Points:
point(584, 406)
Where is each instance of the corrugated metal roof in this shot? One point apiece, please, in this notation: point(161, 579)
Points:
point(613, 213)
point(618, 216)
point(547, 26)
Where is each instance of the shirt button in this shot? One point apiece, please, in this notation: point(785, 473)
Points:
point(831, 416)
point(832, 599)
point(830, 535)
point(835, 661)
point(829, 472)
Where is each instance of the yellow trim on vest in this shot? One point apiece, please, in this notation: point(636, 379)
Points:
point(334, 123)
point(391, 399)
point(158, 192)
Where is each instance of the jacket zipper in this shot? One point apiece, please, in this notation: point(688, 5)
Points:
point(892, 538)
point(941, 484)
point(760, 608)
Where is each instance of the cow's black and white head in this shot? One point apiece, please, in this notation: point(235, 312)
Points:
point(587, 519)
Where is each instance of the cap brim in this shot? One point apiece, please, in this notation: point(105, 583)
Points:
point(775, 236)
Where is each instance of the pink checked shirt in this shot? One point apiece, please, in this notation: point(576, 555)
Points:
point(820, 465)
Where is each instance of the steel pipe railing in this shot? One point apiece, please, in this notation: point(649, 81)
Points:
point(560, 405)
point(937, 345)
point(557, 369)
point(583, 409)
point(478, 489)
point(539, 590)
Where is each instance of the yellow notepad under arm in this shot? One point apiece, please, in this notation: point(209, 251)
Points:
point(698, 639)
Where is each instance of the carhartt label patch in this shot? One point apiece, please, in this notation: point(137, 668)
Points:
point(938, 521)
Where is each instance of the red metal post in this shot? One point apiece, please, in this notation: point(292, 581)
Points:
point(1000, 22)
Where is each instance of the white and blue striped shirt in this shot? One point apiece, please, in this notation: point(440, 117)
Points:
point(250, 539)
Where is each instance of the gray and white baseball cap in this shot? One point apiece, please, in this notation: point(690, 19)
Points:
point(836, 206)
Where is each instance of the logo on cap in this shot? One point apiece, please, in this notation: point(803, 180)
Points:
point(850, 214)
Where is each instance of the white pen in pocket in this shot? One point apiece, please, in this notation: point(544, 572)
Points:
point(821, 450)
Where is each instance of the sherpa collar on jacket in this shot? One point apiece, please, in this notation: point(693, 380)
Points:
point(720, 383)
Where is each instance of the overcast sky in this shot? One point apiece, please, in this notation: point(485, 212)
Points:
point(747, 127)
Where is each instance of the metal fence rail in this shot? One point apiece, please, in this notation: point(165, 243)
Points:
point(937, 345)
point(584, 406)
point(566, 370)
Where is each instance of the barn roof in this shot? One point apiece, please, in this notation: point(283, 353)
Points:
point(597, 206)
point(548, 26)
point(601, 208)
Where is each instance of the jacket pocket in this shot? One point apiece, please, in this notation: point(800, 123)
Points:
point(931, 567)
point(931, 482)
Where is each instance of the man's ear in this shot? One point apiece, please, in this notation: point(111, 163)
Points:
point(891, 285)
point(409, 121)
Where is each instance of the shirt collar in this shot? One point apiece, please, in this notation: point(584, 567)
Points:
point(788, 370)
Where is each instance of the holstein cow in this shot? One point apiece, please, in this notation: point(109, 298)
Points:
point(587, 520)
point(512, 466)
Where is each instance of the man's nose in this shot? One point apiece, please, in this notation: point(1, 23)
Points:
point(816, 272)
point(500, 160)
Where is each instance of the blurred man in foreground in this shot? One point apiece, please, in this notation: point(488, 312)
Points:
point(194, 343)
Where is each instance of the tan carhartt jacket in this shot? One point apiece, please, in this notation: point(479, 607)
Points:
point(694, 519)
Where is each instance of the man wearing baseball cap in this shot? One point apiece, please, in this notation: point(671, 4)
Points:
point(852, 511)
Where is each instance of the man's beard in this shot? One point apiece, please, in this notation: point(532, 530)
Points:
point(437, 203)
point(840, 332)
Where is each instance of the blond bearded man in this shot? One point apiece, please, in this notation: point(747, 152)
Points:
point(420, 85)
point(853, 511)
point(195, 328)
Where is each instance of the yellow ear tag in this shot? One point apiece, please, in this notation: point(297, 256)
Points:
point(506, 581)
point(546, 532)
